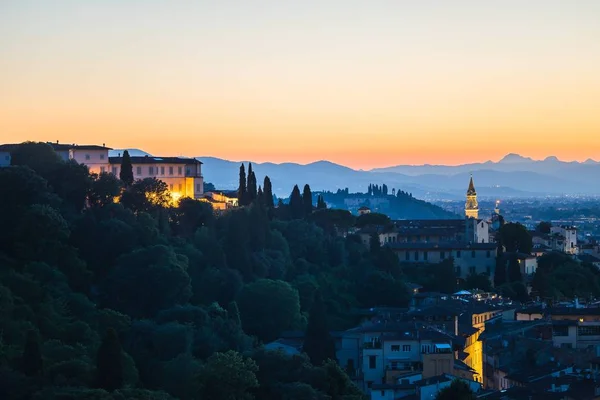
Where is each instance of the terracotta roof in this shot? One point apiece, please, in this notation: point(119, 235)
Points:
point(155, 160)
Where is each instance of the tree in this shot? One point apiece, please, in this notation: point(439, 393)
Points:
point(374, 243)
point(321, 205)
point(458, 390)
point(126, 173)
point(544, 227)
point(104, 189)
point(228, 376)
point(146, 195)
point(38, 156)
point(514, 269)
point(242, 189)
point(268, 192)
point(31, 361)
point(109, 362)
point(251, 186)
point(296, 204)
point(375, 219)
point(268, 307)
point(318, 343)
point(478, 281)
point(515, 238)
point(307, 200)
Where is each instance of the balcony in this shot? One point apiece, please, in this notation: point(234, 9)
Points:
point(372, 345)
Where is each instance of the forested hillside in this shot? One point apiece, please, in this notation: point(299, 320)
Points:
point(110, 291)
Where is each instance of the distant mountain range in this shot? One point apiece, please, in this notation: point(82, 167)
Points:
point(513, 176)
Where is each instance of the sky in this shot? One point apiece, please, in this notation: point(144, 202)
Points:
point(362, 83)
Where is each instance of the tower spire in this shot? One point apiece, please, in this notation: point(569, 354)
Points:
point(471, 206)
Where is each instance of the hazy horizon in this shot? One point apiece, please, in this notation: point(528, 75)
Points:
point(362, 84)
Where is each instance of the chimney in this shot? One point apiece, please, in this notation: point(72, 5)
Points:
point(103, 144)
point(57, 142)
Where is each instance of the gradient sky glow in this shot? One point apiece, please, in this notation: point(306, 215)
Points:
point(362, 83)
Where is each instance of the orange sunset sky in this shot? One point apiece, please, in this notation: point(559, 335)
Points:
point(362, 83)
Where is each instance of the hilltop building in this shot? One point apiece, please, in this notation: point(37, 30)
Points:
point(471, 205)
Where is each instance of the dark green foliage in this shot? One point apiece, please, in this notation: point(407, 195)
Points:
point(242, 188)
point(268, 192)
point(251, 186)
point(38, 156)
point(31, 361)
point(268, 307)
point(515, 238)
point(296, 204)
point(514, 269)
point(109, 362)
point(228, 376)
point(318, 343)
point(558, 276)
point(307, 200)
point(104, 189)
point(372, 219)
point(374, 243)
point(146, 195)
point(433, 277)
point(126, 172)
point(478, 281)
point(458, 390)
point(321, 205)
point(544, 227)
point(208, 187)
point(500, 277)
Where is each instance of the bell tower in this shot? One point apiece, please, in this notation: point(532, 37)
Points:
point(471, 206)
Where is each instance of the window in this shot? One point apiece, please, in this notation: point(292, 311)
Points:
point(472, 270)
point(87, 156)
point(395, 347)
point(179, 170)
point(443, 255)
point(150, 171)
point(198, 187)
point(102, 170)
point(560, 330)
point(407, 256)
point(170, 170)
point(457, 253)
point(589, 330)
point(473, 254)
point(188, 171)
point(139, 170)
point(102, 156)
point(372, 362)
point(406, 347)
point(115, 170)
point(162, 170)
point(488, 254)
point(416, 256)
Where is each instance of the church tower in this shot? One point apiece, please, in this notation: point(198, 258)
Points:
point(471, 206)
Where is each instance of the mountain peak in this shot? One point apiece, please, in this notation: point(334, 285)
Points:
point(552, 159)
point(514, 158)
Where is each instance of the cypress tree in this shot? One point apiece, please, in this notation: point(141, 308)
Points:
point(321, 205)
point(251, 187)
point(126, 173)
point(242, 191)
point(514, 269)
point(500, 271)
point(268, 192)
point(32, 363)
point(318, 343)
point(296, 205)
point(307, 200)
point(260, 196)
point(109, 362)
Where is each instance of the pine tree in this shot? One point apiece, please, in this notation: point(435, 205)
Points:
point(242, 191)
point(296, 205)
point(32, 363)
point(126, 173)
point(109, 362)
point(268, 192)
point(318, 343)
point(307, 200)
point(251, 187)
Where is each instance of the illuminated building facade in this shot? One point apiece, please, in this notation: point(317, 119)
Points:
point(471, 206)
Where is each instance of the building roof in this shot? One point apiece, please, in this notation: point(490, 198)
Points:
point(58, 146)
point(155, 160)
point(441, 246)
point(574, 311)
